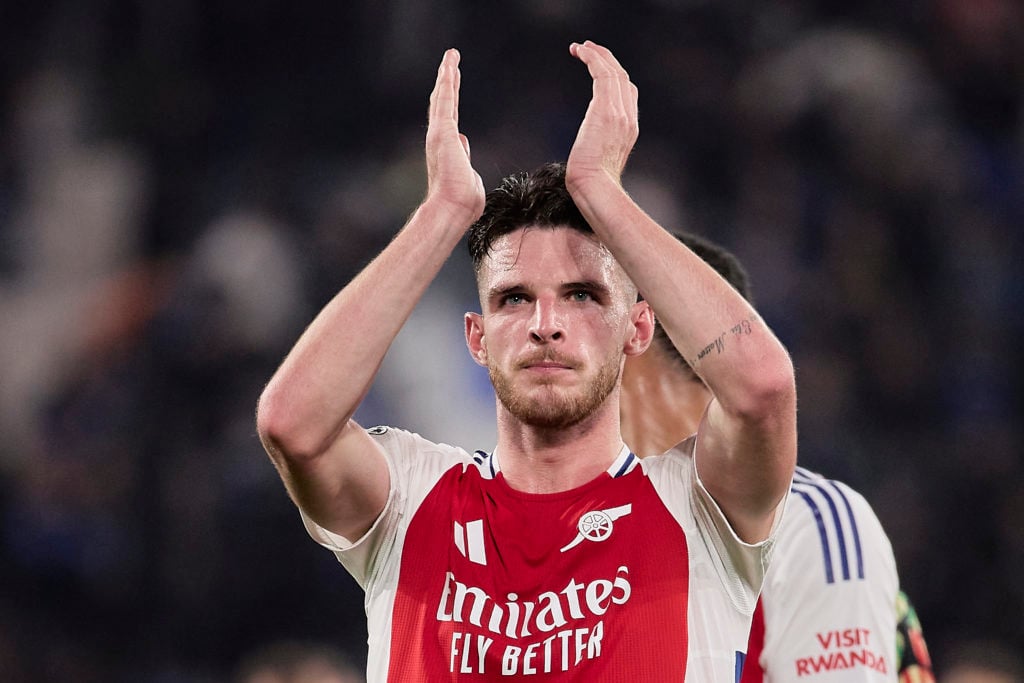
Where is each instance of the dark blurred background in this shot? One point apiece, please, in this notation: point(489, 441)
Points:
point(184, 183)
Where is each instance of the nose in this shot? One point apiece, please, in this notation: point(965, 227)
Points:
point(546, 325)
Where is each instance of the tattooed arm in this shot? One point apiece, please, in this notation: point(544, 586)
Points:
point(746, 441)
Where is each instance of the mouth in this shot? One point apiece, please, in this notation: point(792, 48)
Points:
point(546, 364)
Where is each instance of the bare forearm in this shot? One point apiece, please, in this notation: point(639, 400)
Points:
point(329, 370)
point(697, 308)
point(713, 326)
point(747, 441)
point(748, 438)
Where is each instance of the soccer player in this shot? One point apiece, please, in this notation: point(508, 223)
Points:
point(913, 661)
point(296, 662)
point(982, 661)
point(558, 554)
point(828, 609)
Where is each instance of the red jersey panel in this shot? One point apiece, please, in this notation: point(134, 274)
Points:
point(634, 576)
point(541, 585)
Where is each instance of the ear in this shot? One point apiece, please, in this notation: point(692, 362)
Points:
point(642, 317)
point(475, 338)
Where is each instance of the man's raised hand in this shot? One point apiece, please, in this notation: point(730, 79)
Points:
point(450, 175)
point(610, 127)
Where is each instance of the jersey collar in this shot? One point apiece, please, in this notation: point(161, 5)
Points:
point(490, 465)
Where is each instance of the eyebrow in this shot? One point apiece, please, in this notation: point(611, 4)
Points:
point(589, 285)
point(502, 291)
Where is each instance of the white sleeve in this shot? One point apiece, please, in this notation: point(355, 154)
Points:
point(739, 565)
point(726, 573)
point(750, 561)
point(414, 464)
point(830, 596)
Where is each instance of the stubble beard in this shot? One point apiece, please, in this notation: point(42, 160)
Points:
point(558, 408)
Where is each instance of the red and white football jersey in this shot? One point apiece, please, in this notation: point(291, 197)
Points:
point(634, 576)
point(828, 606)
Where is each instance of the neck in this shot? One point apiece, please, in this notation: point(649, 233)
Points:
point(545, 460)
point(662, 402)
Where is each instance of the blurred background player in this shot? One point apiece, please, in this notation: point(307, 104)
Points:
point(982, 661)
point(912, 657)
point(295, 661)
point(828, 608)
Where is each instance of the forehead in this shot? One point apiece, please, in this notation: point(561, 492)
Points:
point(535, 255)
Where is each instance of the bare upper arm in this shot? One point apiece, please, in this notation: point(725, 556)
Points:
point(344, 488)
point(746, 462)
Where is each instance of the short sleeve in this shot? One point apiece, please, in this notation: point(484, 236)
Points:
point(414, 466)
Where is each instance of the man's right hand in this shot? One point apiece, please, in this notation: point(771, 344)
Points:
point(331, 467)
point(451, 178)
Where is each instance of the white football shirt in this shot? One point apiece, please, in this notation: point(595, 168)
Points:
point(634, 576)
point(828, 607)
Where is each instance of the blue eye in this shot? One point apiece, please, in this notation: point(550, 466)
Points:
point(581, 295)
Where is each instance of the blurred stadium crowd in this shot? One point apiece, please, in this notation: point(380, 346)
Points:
point(184, 183)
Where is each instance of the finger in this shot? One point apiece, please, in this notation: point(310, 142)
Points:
point(627, 89)
point(607, 56)
point(434, 94)
point(603, 83)
point(465, 145)
point(623, 91)
point(457, 86)
point(610, 78)
point(442, 99)
point(632, 98)
point(598, 59)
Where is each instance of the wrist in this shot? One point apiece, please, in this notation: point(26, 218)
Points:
point(596, 192)
point(451, 214)
point(591, 183)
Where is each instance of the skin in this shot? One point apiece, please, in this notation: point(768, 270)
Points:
point(335, 471)
point(331, 468)
point(662, 403)
point(558, 320)
point(747, 436)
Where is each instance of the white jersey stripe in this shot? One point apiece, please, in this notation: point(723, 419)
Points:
point(460, 541)
point(475, 541)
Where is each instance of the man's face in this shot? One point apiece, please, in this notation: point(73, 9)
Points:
point(558, 313)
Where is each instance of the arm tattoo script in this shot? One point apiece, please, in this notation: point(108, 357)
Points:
point(717, 345)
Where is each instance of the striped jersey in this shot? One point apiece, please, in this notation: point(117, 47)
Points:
point(828, 607)
point(634, 576)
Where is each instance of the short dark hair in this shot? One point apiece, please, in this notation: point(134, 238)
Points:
point(536, 198)
point(725, 264)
